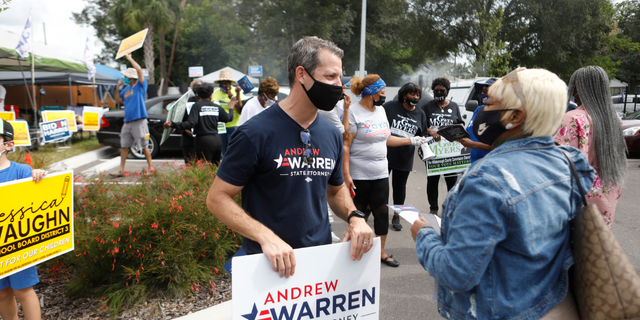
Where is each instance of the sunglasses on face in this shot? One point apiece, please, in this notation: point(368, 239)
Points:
point(305, 137)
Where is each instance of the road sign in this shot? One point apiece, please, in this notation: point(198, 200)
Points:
point(255, 71)
point(196, 72)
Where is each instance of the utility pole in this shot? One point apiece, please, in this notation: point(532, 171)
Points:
point(363, 32)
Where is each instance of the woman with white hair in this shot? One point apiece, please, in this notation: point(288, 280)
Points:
point(505, 249)
point(595, 128)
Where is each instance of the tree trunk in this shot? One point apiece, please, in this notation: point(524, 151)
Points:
point(148, 53)
point(163, 63)
point(175, 39)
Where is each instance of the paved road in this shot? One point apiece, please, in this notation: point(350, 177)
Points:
point(406, 291)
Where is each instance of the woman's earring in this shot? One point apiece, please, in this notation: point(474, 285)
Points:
point(509, 126)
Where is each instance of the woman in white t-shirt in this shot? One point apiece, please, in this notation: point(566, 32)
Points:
point(365, 154)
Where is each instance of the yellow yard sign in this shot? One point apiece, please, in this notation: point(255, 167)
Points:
point(21, 135)
point(36, 221)
point(8, 115)
point(131, 43)
point(91, 118)
point(62, 114)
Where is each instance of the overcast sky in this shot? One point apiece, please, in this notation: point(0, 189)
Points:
point(62, 33)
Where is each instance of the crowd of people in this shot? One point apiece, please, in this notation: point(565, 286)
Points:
point(505, 220)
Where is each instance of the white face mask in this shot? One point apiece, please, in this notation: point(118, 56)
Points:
point(5, 150)
point(268, 102)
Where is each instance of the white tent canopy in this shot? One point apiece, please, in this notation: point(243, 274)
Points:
point(235, 75)
point(615, 83)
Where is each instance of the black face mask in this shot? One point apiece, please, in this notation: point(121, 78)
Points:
point(412, 102)
point(487, 126)
point(380, 101)
point(324, 96)
point(439, 96)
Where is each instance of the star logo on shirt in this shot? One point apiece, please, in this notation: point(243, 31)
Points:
point(308, 179)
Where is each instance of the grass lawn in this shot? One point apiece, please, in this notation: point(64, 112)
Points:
point(49, 153)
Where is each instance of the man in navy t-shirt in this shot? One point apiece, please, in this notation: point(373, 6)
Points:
point(287, 161)
point(135, 130)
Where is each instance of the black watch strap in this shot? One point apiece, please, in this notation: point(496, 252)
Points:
point(355, 213)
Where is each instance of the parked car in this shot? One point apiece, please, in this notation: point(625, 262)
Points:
point(631, 132)
point(112, 121)
point(282, 93)
point(632, 101)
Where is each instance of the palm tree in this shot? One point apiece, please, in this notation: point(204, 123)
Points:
point(157, 15)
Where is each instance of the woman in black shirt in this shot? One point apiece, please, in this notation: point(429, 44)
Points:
point(204, 118)
point(440, 112)
point(406, 120)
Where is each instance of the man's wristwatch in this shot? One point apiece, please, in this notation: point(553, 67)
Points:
point(355, 213)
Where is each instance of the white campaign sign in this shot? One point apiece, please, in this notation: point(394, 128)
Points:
point(327, 284)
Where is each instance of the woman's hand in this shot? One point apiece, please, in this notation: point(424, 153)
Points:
point(466, 142)
point(419, 224)
point(349, 182)
point(189, 133)
point(167, 125)
point(434, 134)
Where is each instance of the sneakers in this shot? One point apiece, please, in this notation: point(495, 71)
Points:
point(395, 223)
point(335, 238)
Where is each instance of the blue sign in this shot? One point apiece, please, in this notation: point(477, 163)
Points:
point(245, 84)
point(255, 71)
point(55, 130)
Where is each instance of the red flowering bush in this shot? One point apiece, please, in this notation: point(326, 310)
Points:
point(151, 235)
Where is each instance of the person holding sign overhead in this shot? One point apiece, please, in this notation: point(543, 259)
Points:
point(135, 129)
point(288, 166)
point(19, 284)
point(204, 118)
point(229, 98)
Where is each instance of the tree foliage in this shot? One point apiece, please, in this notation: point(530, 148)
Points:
point(497, 35)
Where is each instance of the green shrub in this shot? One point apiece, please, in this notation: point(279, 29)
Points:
point(155, 234)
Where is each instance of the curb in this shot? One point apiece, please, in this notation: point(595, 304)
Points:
point(223, 311)
point(79, 160)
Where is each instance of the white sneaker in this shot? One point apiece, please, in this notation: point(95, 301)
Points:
point(335, 238)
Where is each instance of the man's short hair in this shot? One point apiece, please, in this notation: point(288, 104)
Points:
point(305, 53)
point(545, 96)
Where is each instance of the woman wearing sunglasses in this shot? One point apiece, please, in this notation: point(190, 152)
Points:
point(505, 250)
point(440, 112)
point(365, 164)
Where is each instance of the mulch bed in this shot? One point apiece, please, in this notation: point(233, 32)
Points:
point(57, 306)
